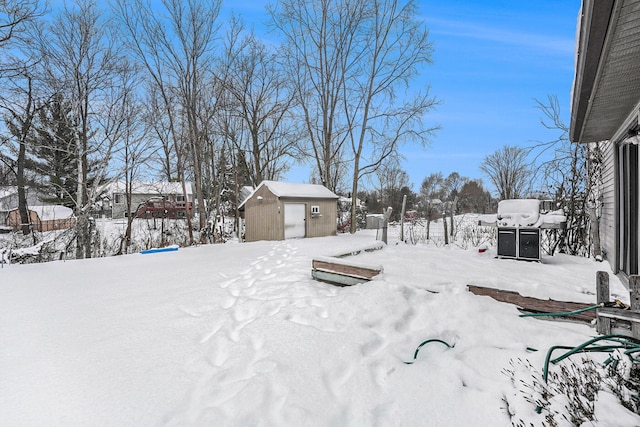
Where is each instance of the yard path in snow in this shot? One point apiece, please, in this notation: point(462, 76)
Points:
point(242, 369)
point(240, 334)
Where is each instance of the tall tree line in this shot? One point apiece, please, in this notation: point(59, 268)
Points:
point(172, 91)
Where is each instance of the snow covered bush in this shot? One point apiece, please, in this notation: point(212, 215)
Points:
point(16, 248)
point(572, 392)
point(467, 233)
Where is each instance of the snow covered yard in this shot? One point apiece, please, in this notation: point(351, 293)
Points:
point(239, 334)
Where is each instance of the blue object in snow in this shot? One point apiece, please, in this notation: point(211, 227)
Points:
point(156, 250)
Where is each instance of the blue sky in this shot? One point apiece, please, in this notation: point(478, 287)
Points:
point(492, 59)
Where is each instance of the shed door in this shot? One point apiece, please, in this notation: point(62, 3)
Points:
point(294, 220)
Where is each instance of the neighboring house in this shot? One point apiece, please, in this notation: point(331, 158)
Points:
point(279, 210)
point(114, 196)
point(44, 218)
point(9, 199)
point(245, 192)
point(606, 107)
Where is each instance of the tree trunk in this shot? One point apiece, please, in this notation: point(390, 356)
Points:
point(454, 207)
point(81, 228)
point(353, 226)
point(22, 197)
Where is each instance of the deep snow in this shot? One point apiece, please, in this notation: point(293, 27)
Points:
point(240, 335)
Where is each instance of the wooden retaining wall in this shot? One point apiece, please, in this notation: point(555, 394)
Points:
point(337, 270)
point(536, 305)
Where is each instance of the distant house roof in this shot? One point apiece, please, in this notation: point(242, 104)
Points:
point(9, 197)
point(51, 212)
point(245, 192)
point(606, 90)
point(149, 187)
point(295, 190)
point(8, 191)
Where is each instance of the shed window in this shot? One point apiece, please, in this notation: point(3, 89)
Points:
point(118, 198)
point(315, 211)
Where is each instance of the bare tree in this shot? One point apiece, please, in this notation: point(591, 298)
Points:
point(20, 105)
point(176, 49)
point(319, 42)
point(262, 101)
point(125, 124)
point(508, 170)
point(20, 109)
point(431, 194)
point(16, 16)
point(452, 185)
point(393, 46)
point(161, 125)
point(348, 59)
point(568, 179)
point(392, 180)
point(79, 60)
point(195, 26)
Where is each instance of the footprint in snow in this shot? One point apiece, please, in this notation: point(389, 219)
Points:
point(226, 283)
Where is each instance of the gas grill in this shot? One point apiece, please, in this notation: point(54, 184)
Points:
point(519, 222)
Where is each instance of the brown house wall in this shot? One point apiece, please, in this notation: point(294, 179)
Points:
point(13, 220)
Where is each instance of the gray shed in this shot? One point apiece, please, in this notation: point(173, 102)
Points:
point(280, 210)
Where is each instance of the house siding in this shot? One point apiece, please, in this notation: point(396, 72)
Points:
point(608, 214)
point(119, 210)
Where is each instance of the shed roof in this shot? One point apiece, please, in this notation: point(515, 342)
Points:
point(606, 90)
point(295, 190)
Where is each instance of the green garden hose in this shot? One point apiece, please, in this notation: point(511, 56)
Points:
point(621, 342)
point(415, 355)
point(561, 314)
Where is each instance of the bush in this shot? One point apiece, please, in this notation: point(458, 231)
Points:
point(570, 393)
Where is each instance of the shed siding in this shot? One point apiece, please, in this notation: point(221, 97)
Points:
point(264, 211)
point(608, 214)
point(263, 219)
point(323, 225)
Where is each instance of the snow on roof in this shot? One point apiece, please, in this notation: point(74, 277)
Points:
point(51, 212)
point(288, 189)
point(149, 187)
point(295, 190)
point(8, 191)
